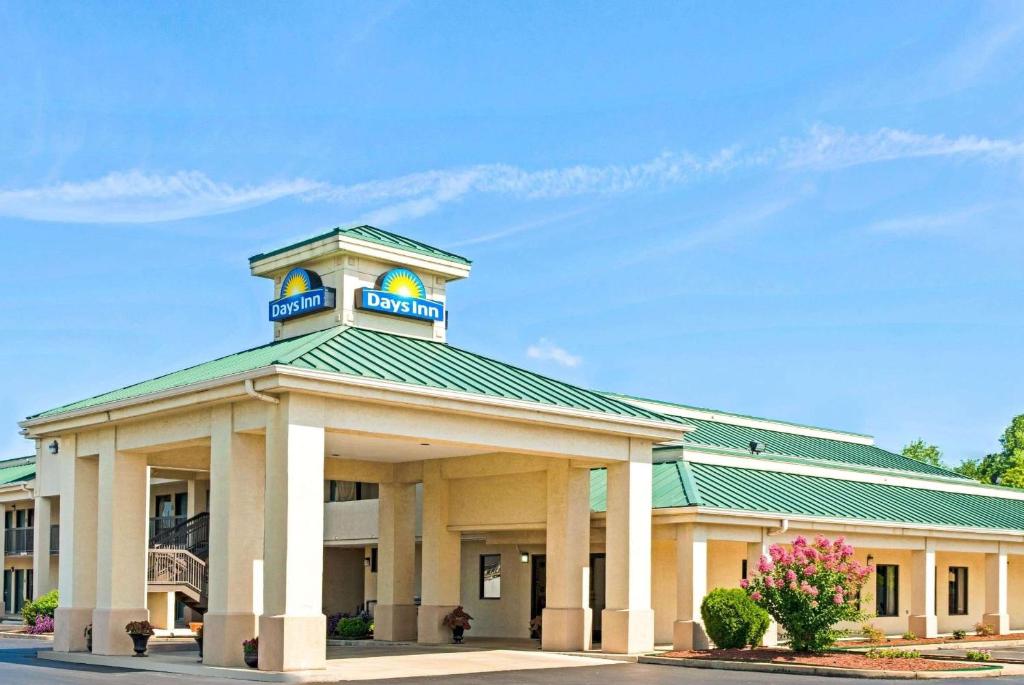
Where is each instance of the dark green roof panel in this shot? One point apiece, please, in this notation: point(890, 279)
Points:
point(724, 487)
point(373, 235)
point(372, 354)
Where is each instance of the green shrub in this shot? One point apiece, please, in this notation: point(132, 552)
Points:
point(352, 628)
point(982, 629)
point(732, 620)
point(959, 634)
point(873, 633)
point(910, 635)
point(41, 606)
point(979, 655)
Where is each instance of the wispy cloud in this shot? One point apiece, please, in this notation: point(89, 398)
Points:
point(944, 222)
point(546, 350)
point(138, 197)
point(982, 47)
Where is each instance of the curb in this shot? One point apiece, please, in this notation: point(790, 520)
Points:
point(826, 671)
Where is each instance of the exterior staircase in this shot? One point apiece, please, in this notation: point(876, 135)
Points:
point(178, 561)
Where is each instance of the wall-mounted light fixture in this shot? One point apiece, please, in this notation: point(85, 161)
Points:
point(524, 557)
point(54, 447)
point(366, 562)
point(871, 558)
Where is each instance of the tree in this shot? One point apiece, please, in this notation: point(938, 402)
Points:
point(1001, 468)
point(922, 451)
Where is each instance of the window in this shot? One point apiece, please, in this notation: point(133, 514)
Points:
point(957, 590)
point(743, 569)
point(887, 590)
point(349, 491)
point(490, 576)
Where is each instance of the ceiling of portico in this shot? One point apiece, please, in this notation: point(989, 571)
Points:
point(352, 446)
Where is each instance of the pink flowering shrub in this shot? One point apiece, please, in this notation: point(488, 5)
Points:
point(809, 589)
point(43, 624)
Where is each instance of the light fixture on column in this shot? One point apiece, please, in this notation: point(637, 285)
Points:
point(366, 562)
point(54, 447)
point(871, 558)
point(524, 557)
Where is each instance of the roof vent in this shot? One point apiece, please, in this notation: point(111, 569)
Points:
point(756, 447)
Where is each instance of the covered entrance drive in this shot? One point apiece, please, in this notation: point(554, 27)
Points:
point(486, 466)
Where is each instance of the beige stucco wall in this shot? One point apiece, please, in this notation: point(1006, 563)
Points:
point(975, 564)
point(893, 625)
point(499, 500)
point(505, 617)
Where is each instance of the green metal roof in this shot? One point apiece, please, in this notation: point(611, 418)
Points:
point(685, 484)
point(373, 354)
point(786, 493)
point(17, 470)
point(717, 434)
point(373, 235)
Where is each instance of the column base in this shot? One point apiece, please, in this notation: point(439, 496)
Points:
point(223, 634)
point(627, 631)
point(566, 630)
point(689, 635)
point(394, 622)
point(1000, 622)
point(771, 636)
point(69, 629)
point(924, 626)
point(108, 636)
point(292, 643)
point(429, 629)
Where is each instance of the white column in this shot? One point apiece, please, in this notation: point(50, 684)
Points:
point(691, 586)
point(923, 621)
point(567, 617)
point(121, 545)
point(292, 627)
point(79, 483)
point(997, 612)
point(237, 478)
point(395, 613)
point(756, 550)
point(442, 559)
point(41, 546)
point(192, 504)
point(627, 622)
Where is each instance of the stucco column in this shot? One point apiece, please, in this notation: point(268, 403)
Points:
point(237, 477)
point(77, 560)
point(192, 497)
point(756, 550)
point(627, 622)
point(923, 621)
point(41, 559)
point(691, 586)
point(997, 612)
point(293, 627)
point(442, 559)
point(567, 617)
point(395, 613)
point(121, 538)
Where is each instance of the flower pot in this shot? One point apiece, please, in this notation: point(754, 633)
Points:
point(457, 632)
point(139, 643)
point(252, 659)
point(199, 639)
point(88, 644)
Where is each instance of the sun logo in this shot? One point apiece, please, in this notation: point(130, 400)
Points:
point(298, 281)
point(403, 283)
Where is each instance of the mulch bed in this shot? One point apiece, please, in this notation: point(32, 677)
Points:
point(831, 659)
point(900, 642)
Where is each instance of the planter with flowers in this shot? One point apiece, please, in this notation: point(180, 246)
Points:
point(140, 632)
point(251, 652)
point(458, 622)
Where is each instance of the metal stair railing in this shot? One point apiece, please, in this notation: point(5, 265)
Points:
point(177, 567)
point(192, 535)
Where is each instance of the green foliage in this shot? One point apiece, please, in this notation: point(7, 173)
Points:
point(872, 633)
point(922, 451)
point(959, 634)
point(41, 606)
point(909, 635)
point(893, 653)
point(979, 655)
point(732, 620)
point(352, 628)
point(982, 629)
point(1002, 468)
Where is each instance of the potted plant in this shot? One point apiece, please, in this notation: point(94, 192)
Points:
point(87, 633)
point(140, 632)
point(458, 621)
point(536, 625)
point(251, 652)
point(197, 629)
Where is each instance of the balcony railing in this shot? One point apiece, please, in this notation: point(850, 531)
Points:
point(55, 538)
point(18, 540)
point(160, 524)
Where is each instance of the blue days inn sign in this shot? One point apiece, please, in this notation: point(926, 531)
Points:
point(302, 292)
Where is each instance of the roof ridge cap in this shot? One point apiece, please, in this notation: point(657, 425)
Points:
point(316, 339)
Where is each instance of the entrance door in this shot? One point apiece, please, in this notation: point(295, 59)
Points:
point(597, 593)
point(538, 585)
point(19, 590)
point(8, 591)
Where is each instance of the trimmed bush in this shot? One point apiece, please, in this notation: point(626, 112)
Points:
point(732, 620)
point(352, 628)
point(41, 606)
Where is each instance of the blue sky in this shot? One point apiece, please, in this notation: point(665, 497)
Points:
point(808, 212)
